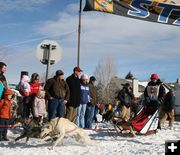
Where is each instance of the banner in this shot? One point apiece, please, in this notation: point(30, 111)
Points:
point(160, 11)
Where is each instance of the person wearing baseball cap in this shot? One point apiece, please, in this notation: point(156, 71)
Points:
point(74, 83)
point(57, 93)
point(77, 69)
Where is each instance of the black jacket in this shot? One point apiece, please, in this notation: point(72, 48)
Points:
point(169, 102)
point(75, 91)
point(3, 80)
point(161, 93)
point(125, 97)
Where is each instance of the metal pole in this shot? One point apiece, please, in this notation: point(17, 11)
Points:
point(48, 63)
point(79, 33)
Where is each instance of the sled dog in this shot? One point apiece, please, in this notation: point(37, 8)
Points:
point(61, 127)
point(31, 128)
point(31, 132)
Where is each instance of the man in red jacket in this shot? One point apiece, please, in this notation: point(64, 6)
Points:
point(5, 113)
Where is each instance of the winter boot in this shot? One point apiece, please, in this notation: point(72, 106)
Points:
point(4, 137)
point(159, 125)
point(1, 139)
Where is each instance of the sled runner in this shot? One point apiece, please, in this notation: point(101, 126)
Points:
point(145, 122)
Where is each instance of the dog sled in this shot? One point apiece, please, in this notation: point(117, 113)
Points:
point(145, 122)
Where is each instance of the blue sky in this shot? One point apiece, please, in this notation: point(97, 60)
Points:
point(137, 46)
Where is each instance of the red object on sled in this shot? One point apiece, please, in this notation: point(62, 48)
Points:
point(145, 120)
point(139, 121)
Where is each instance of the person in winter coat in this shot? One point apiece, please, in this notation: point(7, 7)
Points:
point(167, 109)
point(3, 82)
point(73, 82)
point(25, 90)
point(3, 68)
point(154, 92)
point(39, 106)
point(57, 93)
point(125, 96)
point(80, 120)
point(154, 95)
point(90, 108)
point(5, 113)
point(24, 86)
point(1, 89)
point(35, 85)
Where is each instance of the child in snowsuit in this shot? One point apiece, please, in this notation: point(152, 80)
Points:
point(24, 86)
point(25, 90)
point(5, 113)
point(39, 107)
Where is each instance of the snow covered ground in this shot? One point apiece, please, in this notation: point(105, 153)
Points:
point(109, 143)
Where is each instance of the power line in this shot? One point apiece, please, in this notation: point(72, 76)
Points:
point(35, 39)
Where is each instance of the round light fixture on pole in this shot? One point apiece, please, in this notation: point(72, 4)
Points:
point(49, 53)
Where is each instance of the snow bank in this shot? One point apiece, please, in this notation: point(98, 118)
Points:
point(109, 143)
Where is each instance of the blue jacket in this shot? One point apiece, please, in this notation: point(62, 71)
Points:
point(85, 98)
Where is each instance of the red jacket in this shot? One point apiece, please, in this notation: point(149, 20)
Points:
point(5, 108)
point(34, 88)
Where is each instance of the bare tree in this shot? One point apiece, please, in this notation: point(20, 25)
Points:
point(105, 70)
point(3, 53)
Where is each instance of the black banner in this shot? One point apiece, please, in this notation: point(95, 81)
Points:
point(160, 11)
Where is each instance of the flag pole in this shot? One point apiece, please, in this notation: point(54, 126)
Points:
point(79, 33)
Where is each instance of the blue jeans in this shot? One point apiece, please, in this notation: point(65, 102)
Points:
point(80, 120)
point(89, 116)
point(56, 108)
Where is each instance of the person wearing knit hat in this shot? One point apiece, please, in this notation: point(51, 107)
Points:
point(24, 86)
point(5, 113)
point(154, 93)
point(92, 78)
point(90, 108)
point(57, 93)
point(154, 76)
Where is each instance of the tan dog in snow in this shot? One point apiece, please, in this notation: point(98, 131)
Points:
point(59, 127)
